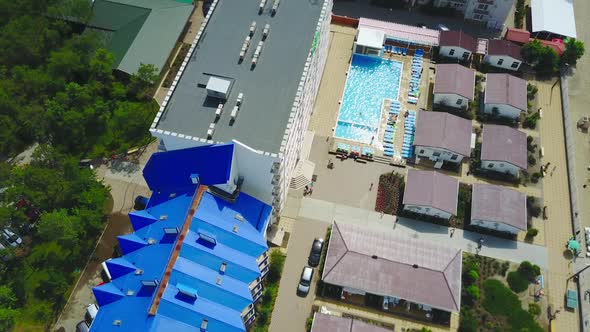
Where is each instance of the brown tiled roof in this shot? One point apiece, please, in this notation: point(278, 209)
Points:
point(458, 38)
point(454, 78)
point(392, 265)
point(504, 47)
point(502, 143)
point(432, 189)
point(444, 131)
point(329, 323)
point(506, 89)
point(499, 204)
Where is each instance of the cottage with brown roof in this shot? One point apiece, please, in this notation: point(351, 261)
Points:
point(431, 193)
point(328, 323)
point(442, 137)
point(457, 45)
point(504, 150)
point(362, 261)
point(505, 95)
point(503, 54)
point(498, 208)
point(454, 85)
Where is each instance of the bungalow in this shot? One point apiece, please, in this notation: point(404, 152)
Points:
point(498, 208)
point(454, 85)
point(504, 149)
point(362, 263)
point(503, 54)
point(505, 95)
point(431, 193)
point(457, 45)
point(442, 137)
point(325, 322)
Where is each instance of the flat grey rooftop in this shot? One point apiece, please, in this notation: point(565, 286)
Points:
point(269, 89)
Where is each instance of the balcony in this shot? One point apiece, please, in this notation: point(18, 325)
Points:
point(481, 11)
point(487, 2)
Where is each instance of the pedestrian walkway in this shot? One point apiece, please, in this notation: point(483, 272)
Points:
point(494, 247)
point(556, 197)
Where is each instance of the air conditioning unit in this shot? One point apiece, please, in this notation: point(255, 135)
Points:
point(252, 28)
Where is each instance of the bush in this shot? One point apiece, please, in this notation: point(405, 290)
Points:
point(532, 161)
point(531, 120)
point(468, 322)
point(532, 232)
point(517, 282)
point(535, 177)
point(519, 14)
point(471, 276)
point(534, 309)
point(277, 260)
point(499, 300)
point(531, 91)
point(472, 293)
point(529, 270)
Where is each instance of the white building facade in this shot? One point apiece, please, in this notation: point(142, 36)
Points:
point(492, 13)
point(428, 210)
point(451, 100)
point(454, 52)
point(503, 61)
point(503, 110)
point(496, 226)
point(267, 175)
point(437, 154)
point(501, 166)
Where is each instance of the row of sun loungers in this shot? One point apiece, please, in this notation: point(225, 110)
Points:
point(355, 150)
point(388, 137)
point(410, 128)
point(395, 50)
point(414, 91)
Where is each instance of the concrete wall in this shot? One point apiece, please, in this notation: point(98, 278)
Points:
point(504, 110)
point(500, 166)
point(507, 62)
point(435, 154)
point(497, 226)
point(427, 210)
point(450, 99)
point(445, 51)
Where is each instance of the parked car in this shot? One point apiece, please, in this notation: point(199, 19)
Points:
point(305, 281)
point(316, 252)
point(86, 163)
point(91, 311)
point(11, 238)
point(82, 327)
point(442, 27)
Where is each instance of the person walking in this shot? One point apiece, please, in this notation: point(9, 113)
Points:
point(371, 187)
point(452, 232)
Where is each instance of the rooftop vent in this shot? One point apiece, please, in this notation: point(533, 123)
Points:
point(240, 99)
point(207, 238)
point(239, 217)
point(275, 6)
point(172, 195)
point(130, 292)
point(374, 257)
point(219, 280)
point(233, 114)
point(187, 291)
point(150, 283)
point(261, 7)
point(151, 241)
point(235, 229)
point(117, 322)
point(223, 267)
point(252, 28)
point(164, 217)
point(210, 131)
point(138, 272)
point(415, 266)
point(218, 112)
point(265, 31)
point(171, 230)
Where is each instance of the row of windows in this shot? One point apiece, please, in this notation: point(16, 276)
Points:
point(513, 65)
point(437, 154)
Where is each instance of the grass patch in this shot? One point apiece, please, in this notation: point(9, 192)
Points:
point(501, 301)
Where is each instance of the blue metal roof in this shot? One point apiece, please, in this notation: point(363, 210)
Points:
point(221, 296)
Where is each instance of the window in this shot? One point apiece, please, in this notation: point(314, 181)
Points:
point(482, 6)
point(426, 209)
point(478, 17)
point(459, 101)
point(452, 52)
point(490, 165)
point(421, 151)
point(500, 62)
point(514, 64)
point(454, 157)
point(436, 154)
point(465, 55)
point(501, 164)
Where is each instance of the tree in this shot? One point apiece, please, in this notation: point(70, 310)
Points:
point(534, 309)
point(529, 270)
point(574, 49)
point(544, 59)
point(7, 304)
point(143, 80)
point(472, 293)
point(59, 226)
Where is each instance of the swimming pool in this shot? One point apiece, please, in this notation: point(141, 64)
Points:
point(369, 81)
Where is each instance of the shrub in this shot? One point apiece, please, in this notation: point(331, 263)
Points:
point(468, 321)
point(529, 270)
point(308, 324)
point(517, 282)
point(535, 177)
point(531, 120)
point(472, 293)
point(471, 276)
point(532, 232)
point(277, 260)
point(499, 300)
point(534, 309)
point(531, 91)
point(532, 161)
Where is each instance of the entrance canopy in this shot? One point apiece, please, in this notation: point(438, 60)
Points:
point(401, 32)
point(554, 16)
point(370, 38)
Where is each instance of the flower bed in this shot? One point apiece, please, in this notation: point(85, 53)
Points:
point(389, 193)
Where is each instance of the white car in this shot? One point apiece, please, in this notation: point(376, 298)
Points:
point(442, 27)
point(11, 238)
point(305, 282)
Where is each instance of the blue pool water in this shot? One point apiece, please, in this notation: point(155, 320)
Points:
point(370, 80)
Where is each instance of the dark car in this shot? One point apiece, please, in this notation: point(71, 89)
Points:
point(316, 252)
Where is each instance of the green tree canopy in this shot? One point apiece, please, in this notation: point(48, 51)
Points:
point(574, 49)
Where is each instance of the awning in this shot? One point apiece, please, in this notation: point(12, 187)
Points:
point(555, 16)
point(370, 38)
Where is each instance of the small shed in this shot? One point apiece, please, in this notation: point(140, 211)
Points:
point(369, 41)
point(218, 87)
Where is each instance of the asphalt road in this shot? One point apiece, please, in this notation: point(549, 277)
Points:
point(291, 311)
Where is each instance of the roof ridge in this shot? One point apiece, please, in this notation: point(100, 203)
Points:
point(447, 281)
point(389, 260)
point(325, 274)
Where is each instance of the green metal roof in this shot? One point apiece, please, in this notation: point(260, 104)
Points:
point(139, 31)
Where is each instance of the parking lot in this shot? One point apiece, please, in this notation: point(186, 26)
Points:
point(291, 311)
